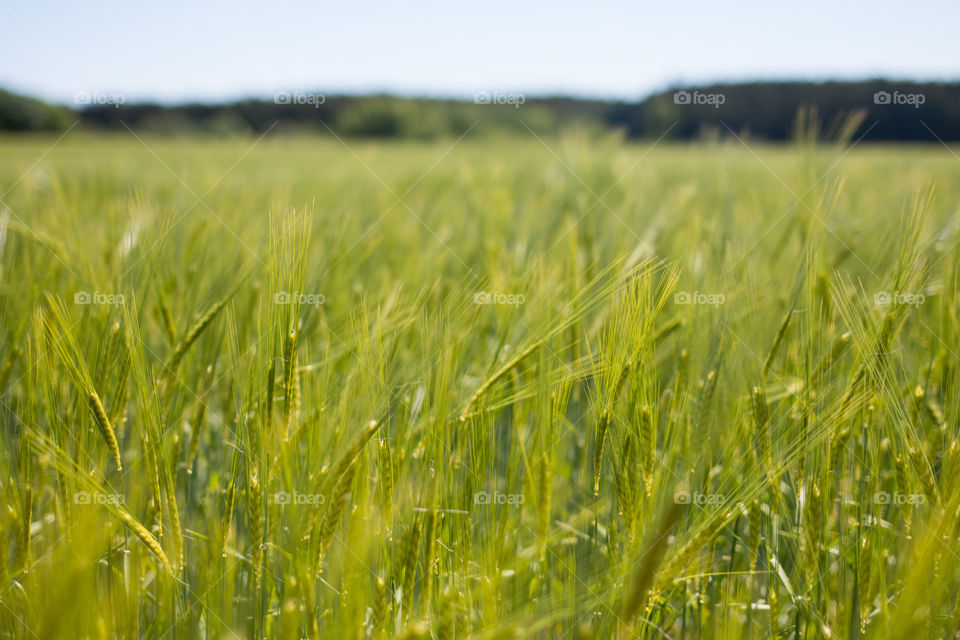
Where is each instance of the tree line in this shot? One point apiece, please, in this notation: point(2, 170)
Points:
point(886, 110)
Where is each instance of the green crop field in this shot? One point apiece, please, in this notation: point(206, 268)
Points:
point(509, 387)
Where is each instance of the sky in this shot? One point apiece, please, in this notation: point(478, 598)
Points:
point(209, 50)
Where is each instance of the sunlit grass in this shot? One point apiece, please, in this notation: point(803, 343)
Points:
point(482, 388)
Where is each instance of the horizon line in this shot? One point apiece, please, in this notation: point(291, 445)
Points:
point(463, 96)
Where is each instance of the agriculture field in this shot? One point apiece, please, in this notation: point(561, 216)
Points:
point(504, 388)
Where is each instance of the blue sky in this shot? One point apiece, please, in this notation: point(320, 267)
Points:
point(211, 50)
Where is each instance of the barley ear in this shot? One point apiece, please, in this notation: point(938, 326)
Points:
point(407, 568)
point(761, 422)
point(643, 580)
point(602, 424)
point(145, 537)
point(7, 370)
point(863, 582)
point(193, 334)
point(385, 482)
point(331, 519)
point(255, 523)
point(812, 524)
point(103, 422)
point(771, 356)
point(648, 444)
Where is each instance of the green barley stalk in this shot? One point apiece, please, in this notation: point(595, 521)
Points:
point(626, 489)
point(601, 436)
point(925, 474)
point(385, 484)
point(864, 575)
point(121, 394)
point(291, 382)
point(826, 364)
point(331, 518)
point(70, 355)
point(168, 325)
point(707, 387)
point(349, 457)
point(777, 341)
point(648, 446)
point(584, 303)
point(150, 411)
point(173, 512)
point(755, 523)
point(193, 333)
point(381, 605)
point(229, 504)
point(7, 370)
point(813, 527)
point(950, 477)
point(498, 374)
point(431, 531)
point(196, 425)
point(934, 410)
point(106, 430)
point(644, 579)
point(694, 547)
point(308, 595)
point(43, 444)
point(145, 537)
point(545, 495)
point(409, 552)
point(762, 430)
point(255, 526)
point(6, 524)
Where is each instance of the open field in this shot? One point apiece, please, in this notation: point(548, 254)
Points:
point(551, 388)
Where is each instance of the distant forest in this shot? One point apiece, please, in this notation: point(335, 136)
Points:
point(887, 111)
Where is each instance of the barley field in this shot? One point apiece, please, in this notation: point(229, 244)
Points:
point(517, 387)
